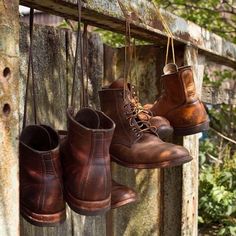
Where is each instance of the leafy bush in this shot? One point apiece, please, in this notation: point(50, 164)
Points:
point(217, 184)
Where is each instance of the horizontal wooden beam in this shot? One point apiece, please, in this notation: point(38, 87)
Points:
point(215, 96)
point(146, 25)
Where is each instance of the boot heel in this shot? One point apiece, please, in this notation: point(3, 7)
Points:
point(191, 130)
point(43, 220)
point(88, 208)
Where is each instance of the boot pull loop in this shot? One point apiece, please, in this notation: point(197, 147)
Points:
point(30, 69)
point(169, 34)
point(86, 74)
point(75, 70)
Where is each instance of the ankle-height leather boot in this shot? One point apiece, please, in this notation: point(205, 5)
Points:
point(163, 127)
point(135, 143)
point(120, 194)
point(41, 191)
point(180, 104)
point(86, 161)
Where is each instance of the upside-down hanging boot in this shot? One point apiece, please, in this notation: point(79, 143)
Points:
point(41, 191)
point(163, 127)
point(135, 143)
point(86, 161)
point(120, 194)
point(179, 102)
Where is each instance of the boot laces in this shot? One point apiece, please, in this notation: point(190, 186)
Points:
point(132, 111)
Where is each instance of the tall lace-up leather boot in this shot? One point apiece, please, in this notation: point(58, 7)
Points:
point(86, 161)
point(135, 143)
point(41, 193)
point(179, 102)
point(163, 127)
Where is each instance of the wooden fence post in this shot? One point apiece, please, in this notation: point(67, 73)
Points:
point(9, 117)
point(190, 170)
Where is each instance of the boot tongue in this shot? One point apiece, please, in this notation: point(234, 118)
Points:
point(88, 118)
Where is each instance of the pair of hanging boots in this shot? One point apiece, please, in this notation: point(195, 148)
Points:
point(139, 133)
point(75, 168)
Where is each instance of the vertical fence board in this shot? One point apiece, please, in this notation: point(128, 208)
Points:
point(190, 170)
point(53, 63)
point(143, 217)
point(9, 118)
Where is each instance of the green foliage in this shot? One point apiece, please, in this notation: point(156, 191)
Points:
point(217, 189)
point(215, 15)
point(217, 183)
point(219, 77)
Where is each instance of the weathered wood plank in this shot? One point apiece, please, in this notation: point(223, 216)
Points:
point(53, 58)
point(9, 118)
point(212, 95)
point(143, 217)
point(146, 25)
point(190, 170)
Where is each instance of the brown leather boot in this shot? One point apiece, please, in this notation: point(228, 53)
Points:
point(121, 195)
point(135, 143)
point(86, 161)
point(41, 193)
point(163, 127)
point(180, 104)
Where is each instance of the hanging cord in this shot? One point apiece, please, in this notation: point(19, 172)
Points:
point(169, 34)
point(127, 68)
point(79, 45)
point(30, 69)
point(135, 66)
point(85, 47)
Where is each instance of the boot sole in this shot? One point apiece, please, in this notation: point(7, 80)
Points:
point(124, 202)
point(88, 208)
point(46, 220)
point(191, 130)
point(164, 164)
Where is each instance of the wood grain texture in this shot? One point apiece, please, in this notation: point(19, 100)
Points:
point(190, 170)
point(145, 25)
point(53, 58)
point(9, 118)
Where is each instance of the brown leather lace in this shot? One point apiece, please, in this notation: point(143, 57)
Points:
point(82, 47)
point(79, 45)
point(131, 106)
point(30, 70)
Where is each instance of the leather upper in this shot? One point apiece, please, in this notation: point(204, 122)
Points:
point(86, 159)
point(131, 143)
point(179, 102)
point(41, 189)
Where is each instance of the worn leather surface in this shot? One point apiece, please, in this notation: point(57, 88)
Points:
point(121, 195)
point(156, 121)
point(131, 144)
point(41, 189)
point(86, 158)
point(178, 102)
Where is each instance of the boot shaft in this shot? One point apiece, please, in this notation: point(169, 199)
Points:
point(179, 87)
point(86, 158)
point(120, 109)
point(40, 169)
